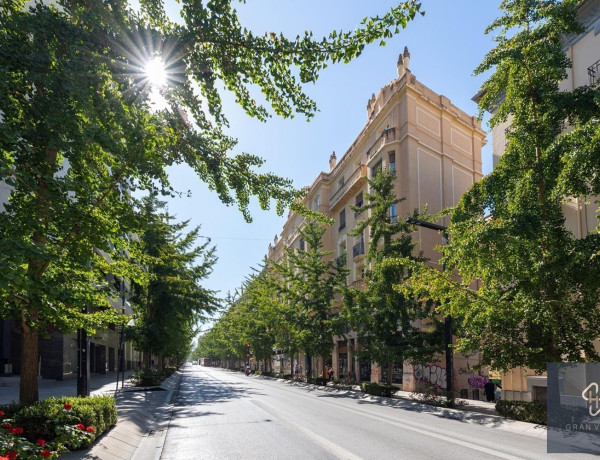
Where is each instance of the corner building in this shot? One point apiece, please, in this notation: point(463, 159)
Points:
point(435, 150)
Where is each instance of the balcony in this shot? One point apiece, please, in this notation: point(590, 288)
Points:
point(341, 260)
point(388, 135)
point(358, 284)
point(354, 182)
point(358, 249)
point(594, 72)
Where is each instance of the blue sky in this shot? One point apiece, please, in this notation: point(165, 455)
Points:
point(445, 45)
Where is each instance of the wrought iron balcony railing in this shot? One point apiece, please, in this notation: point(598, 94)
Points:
point(594, 72)
point(358, 249)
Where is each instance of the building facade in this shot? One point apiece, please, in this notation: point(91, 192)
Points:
point(435, 150)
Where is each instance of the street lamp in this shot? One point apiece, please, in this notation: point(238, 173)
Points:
point(448, 318)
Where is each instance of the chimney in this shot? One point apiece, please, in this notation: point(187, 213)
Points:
point(403, 62)
point(406, 58)
point(332, 161)
point(400, 66)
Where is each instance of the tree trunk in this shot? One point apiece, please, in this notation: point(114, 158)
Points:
point(28, 391)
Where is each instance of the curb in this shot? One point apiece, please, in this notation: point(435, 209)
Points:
point(153, 441)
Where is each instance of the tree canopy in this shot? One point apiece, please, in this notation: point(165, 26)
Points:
point(388, 323)
point(530, 288)
point(79, 135)
point(174, 301)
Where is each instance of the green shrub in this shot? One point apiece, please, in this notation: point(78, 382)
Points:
point(533, 412)
point(322, 381)
point(375, 389)
point(147, 378)
point(64, 421)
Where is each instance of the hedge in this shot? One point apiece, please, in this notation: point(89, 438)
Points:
point(524, 411)
point(375, 389)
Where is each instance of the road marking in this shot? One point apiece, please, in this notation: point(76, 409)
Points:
point(334, 449)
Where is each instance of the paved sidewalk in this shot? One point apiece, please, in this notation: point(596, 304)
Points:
point(144, 414)
point(99, 385)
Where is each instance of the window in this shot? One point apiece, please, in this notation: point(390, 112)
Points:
point(359, 248)
point(358, 202)
point(342, 220)
point(393, 214)
point(375, 169)
point(392, 162)
point(302, 245)
point(341, 182)
point(316, 202)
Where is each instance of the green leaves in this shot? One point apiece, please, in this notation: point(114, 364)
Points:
point(385, 315)
point(529, 287)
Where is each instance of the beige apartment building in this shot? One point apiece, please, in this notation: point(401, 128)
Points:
point(581, 215)
point(435, 150)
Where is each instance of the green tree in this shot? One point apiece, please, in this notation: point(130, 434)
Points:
point(529, 290)
point(171, 305)
point(312, 286)
point(388, 323)
point(77, 131)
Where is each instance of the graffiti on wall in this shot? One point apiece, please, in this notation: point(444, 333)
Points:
point(431, 373)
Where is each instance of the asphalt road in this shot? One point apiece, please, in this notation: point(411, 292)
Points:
point(220, 414)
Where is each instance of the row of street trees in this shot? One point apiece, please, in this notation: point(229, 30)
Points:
point(528, 289)
point(171, 304)
point(299, 303)
point(77, 134)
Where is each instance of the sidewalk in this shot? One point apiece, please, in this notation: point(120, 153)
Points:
point(99, 385)
point(143, 414)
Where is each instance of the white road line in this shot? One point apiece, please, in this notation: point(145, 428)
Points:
point(334, 449)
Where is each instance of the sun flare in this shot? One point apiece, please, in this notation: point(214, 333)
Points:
point(156, 73)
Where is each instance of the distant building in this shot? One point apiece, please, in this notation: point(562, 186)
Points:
point(435, 150)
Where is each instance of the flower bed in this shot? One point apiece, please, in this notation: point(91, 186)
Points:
point(54, 426)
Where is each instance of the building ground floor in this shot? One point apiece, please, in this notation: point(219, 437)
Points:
point(347, 365)
point(58, 352)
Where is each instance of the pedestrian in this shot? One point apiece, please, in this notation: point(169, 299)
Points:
point(331, 373)
point(489, 391)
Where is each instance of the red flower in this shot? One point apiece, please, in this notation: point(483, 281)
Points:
point(90, 429)
point(17, 430)
point(1, 413)
point(4, 458)
point(81, 426)
point(41, 442)
point(67, 406)
point(7, 425)
point(12, 455)
point(46, 453)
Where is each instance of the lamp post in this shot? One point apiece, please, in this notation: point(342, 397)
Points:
point(448, 318)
